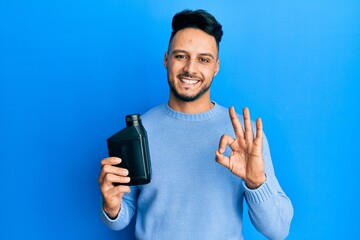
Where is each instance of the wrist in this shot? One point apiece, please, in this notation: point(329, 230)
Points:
point(111, 213)
point(254, 184)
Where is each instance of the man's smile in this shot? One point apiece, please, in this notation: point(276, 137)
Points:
point(189, 81)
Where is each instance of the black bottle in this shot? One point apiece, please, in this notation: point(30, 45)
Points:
point(131, 145)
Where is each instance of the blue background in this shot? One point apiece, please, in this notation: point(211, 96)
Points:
point(71, 70)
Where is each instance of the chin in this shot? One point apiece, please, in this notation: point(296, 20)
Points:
point(185, 97)
point(188, 98)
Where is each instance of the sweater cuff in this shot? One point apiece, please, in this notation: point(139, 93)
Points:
point(259, 195)
point(112, 222)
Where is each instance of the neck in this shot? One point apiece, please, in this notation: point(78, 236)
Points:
point(193, 107)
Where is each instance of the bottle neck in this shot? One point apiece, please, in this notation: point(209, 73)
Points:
point(133, 120)
point(132, 123)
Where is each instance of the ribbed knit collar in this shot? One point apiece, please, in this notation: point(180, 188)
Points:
point(192, 117)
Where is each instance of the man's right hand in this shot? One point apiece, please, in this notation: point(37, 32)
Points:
point(112, 195)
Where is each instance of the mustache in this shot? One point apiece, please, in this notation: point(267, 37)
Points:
point(187, 75)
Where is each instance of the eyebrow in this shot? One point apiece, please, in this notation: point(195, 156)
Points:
point(201, 54)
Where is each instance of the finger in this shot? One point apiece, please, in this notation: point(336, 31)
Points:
point(110, 161)
point(115, 170)
point(225, 140)
point(109, 179)
point(110, 169)
point(249, 135)
point(120, 189)
point(116, 191)
point(239, 132)
point(259, 132)
point(222, 159)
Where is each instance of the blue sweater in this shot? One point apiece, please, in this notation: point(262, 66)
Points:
point(191, 196)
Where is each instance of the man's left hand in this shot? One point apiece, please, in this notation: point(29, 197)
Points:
point(246, 159)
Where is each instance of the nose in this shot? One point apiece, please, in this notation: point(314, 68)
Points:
point(190, 66)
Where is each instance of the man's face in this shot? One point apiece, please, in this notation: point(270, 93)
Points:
point(191, 62)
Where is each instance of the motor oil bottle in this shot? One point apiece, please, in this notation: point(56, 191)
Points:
point(131, 145)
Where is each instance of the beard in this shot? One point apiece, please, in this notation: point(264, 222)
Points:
point(188, 98)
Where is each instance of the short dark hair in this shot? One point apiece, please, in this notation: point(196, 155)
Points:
point(198, 19)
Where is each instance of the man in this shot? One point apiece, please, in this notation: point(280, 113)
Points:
point(191, 196)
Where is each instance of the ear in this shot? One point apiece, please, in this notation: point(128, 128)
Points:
point(217, 67)
point(166, 55)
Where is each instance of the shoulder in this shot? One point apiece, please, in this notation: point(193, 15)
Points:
point(221, 109)
point(153, 111)
point(153, 115)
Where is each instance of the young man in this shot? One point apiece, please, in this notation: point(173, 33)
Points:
point(191, 196)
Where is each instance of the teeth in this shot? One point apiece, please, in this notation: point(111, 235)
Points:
point(189, 81)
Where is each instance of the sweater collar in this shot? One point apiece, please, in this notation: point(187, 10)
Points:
point(192, 117)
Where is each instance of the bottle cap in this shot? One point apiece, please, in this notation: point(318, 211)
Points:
point(132, 119)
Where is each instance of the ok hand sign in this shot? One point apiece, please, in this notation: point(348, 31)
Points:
point(246, 159)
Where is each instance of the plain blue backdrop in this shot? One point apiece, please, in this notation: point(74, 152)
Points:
point(71, 70)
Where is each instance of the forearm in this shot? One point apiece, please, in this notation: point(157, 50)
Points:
point(270, 210)
point(111, 213)
point(121, 220)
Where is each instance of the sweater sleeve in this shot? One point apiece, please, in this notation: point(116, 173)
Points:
point(270, 210)
point(127, 211)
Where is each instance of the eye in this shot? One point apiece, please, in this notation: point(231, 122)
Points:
point(181, 57)
point(204, 60)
